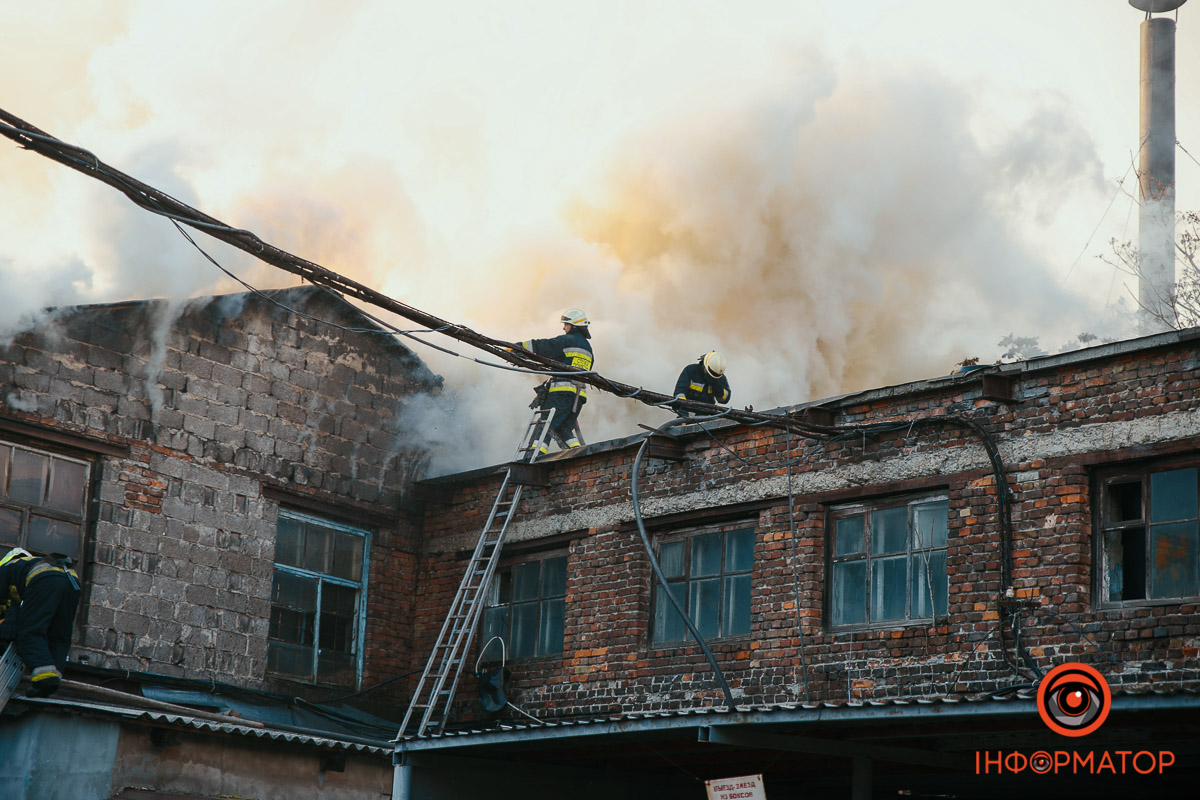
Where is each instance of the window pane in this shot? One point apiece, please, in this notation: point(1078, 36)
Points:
point(53, 536)
point(1175, 560)
point(338, 604)
point(739, 551)
point(849, 592)
point(670, 558)
point(66, 486)
point(889, 530)
point(4, 453)
point(289, 541)
point(668, 625)
point(1173, 495)
point(554, 577)
point(930, 522)
point(500, 592)
point(849, 536)
point(347, 555)
point(290, 660)
point(526, 579)
point(27, 481)
point(706, 555)
point(736, 605)
point(10, 527)
point(317, 554)
point(1124, 502)
point(550, 637)
point(293, 608)
point(1125, 554)
point(495, 623)
point(704, 598)
point(524, 630)
point(335, 667)
point(927, 569)
point(889, 585)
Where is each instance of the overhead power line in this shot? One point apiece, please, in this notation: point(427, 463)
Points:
point(32, 138)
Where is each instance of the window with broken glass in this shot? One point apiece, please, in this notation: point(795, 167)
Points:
point(526, 608)
point(709, 573)
point(888, 561)
point(43, 500)
point(1150, 541)
point(318, 599)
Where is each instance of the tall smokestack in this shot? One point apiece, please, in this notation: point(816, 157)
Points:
point(1156, 137)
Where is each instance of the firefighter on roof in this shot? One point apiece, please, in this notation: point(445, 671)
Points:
point(704, 381)
point(565, 396)
point(37, 610)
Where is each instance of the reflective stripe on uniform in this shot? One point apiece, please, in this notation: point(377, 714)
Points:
point(42, 569)
point(44, 673)
point(695, 387)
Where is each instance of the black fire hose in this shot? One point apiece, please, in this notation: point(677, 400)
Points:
point(658, 573)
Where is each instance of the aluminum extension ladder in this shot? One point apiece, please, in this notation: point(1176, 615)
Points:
point(431, 699)
point(11, 668)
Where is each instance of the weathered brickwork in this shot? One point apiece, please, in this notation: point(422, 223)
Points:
point(211, 403)
point(1065, 418)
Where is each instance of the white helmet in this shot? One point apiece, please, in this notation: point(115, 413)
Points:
point(714, 363)
point(576, 317)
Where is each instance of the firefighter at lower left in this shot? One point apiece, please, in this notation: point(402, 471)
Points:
point(37, 611)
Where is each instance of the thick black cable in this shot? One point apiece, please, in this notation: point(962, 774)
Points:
point(654, 565)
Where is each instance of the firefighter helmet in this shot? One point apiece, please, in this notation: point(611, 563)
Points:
point(576, 317)
point(714, 363)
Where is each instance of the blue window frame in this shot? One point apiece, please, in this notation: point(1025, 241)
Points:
point(709, 571)
point(318, 600)
point(888, 561)
point(1150, 542)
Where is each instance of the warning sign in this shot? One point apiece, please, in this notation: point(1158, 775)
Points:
point(749, 787)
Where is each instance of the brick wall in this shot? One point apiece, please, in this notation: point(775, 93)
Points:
point(213, 402)
point(1066, 417)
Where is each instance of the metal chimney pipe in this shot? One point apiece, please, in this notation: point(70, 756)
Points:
point(1156, 137)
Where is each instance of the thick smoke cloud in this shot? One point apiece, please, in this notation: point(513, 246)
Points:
point(829, 227)
point(834, 234)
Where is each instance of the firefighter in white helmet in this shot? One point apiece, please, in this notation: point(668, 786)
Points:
point(564, 395)
point(704, 381)
point(38, 599)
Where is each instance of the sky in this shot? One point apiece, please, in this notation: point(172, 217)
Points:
point(838, 196)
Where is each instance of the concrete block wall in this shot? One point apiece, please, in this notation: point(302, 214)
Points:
point(214, 401)
point(1066, 417)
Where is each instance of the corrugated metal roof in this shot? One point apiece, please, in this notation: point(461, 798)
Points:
point(996, 702)
point(210, 726)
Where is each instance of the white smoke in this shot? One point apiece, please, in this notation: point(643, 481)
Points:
point(829, 227)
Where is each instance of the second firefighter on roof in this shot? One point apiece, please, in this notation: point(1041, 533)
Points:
point(704, 381)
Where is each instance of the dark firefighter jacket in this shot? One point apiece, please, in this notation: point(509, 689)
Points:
point(571, 349)
point(696, 384)
point(37, 609)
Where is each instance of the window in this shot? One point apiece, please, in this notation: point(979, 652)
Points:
point(710, 570)
point(1151, 540)
point(43, 498)
point(888, 561)
point(318, 597)
point(526, 607)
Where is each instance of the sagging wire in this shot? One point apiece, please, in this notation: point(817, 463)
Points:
point(157, 202)
point(386, 329)
point(657, 568)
